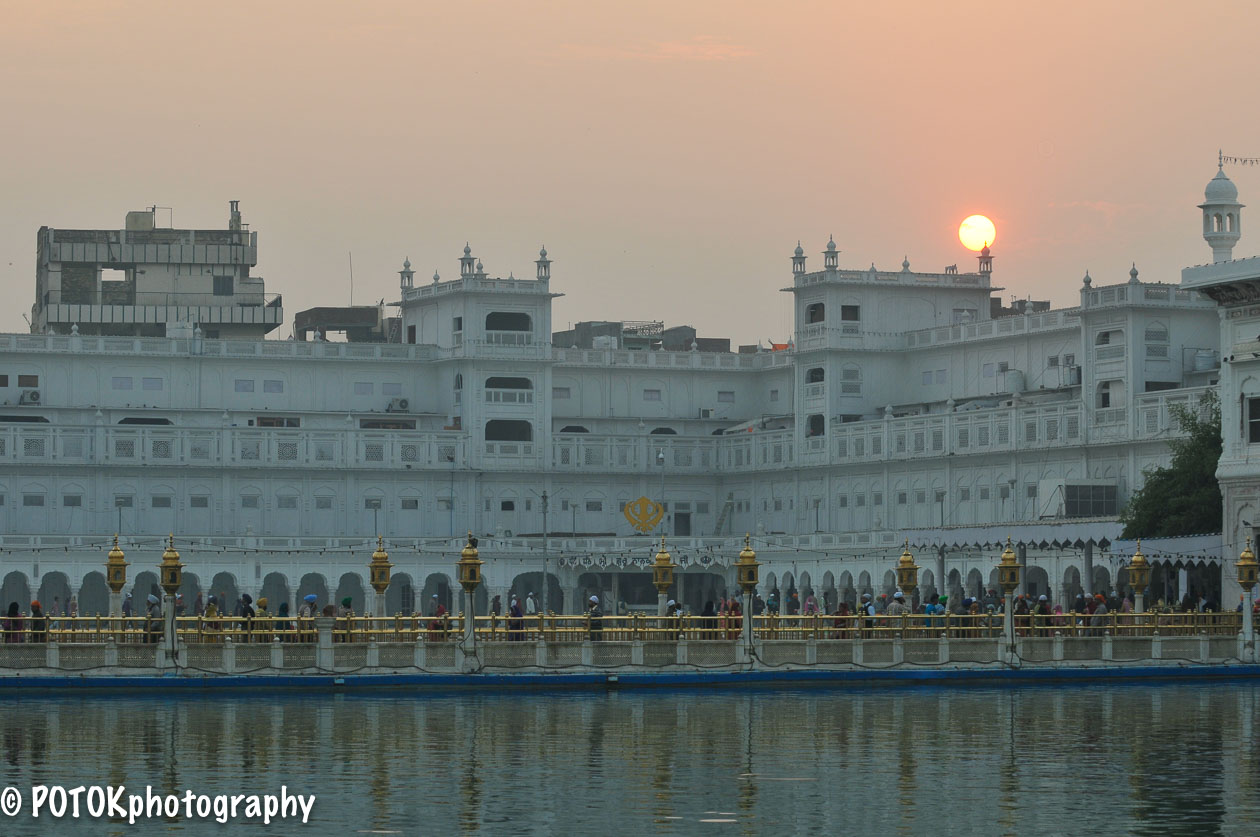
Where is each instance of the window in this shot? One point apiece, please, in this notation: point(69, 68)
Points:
point(4, 380)
point(28, 381)
point(273, 386)
point(594, 505)
point(927, 378)
point(1052, 361)
point(651, 395)
point(901, 498)
point(124, 501)
point(920, 496)
point(778, 505)
point(774, 395)
point(1090, 501)
point(816, 375)
point(72, 501)
point(286, 501)
point(445, 504)
point(249, 501)
point(850, 313)
point(160, 501)
point(726, 396)
point(323, 503)
point(984, 492)
point(222, 286)
point(363, 387)
point(277, 421)
point(507, 505)
point(859, 500)
point(964, 495)
point(457, 324)
point(387, 424)
point(35, 500)
point(244, 385)
point(560, 392)
point(199, 501)
point(391, 389)
point(815, 313)
point(409, 504)
point(372, 503)
point(120, 383)
point(151, 384)
point(844, 501)
point(1030, 490)
point(1004, 492)
point(877, 498)
point(1069, 360)
point(1253, 420)
point(987, 370)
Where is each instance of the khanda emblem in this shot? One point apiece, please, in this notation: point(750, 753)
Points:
point(644, 514)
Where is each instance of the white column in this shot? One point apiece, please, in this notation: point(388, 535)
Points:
point(1248, 628)
point(115, 604)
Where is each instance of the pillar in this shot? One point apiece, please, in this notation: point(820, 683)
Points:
point(1021, 552)
point(616, 592)
point(1248, 627)
point(680, 579)
point(1087, 574)
point(662, 603)
point(115, 604)
point(378, 604)
point(940, 569)
point(170, 640)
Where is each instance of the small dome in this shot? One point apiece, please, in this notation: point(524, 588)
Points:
point(800, 251)
point(831, 244)
point(542, 253)
point(406, 264)
point(479, 267)
point(1133, 273)
point(1220, 189)
point(905, 264)
point(467, 249)
point(435, 276)
point(1088, 280)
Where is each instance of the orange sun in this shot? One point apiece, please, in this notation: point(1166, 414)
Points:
point(976, 232)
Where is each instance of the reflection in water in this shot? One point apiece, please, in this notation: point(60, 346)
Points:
point(1133, 759)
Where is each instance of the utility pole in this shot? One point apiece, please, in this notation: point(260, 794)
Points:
point(546, 553)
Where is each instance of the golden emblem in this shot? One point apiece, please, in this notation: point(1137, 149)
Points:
point(644, 514)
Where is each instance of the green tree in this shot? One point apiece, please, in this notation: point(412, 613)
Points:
point(1184, 498)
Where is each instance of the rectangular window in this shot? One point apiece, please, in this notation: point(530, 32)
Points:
point(1030, 490)
point(1069, 360)
point(363, 387)
point(1090, 501)
point(72, 501)
point(286, 501)
point(987, 370)
point(774, 395)
point(594, 505)
point(391, 389)
point(726, 396)
point(927, 378)
point(877, 498)
point(560, 392)
point(964, 495)
point(249, 501)
point(28, 381)
point(120, 383)
point(1052, 361)
point(409, 503)
point(222, 286)
point(277, 421)
point(901, 498)
point(124, 501)
point(160, 502)
point(507, 505)
point(151, 384)
point(33, 499)
point(457, 324)
point(778, 505)
point(850, 313)
point(984, 492)
point(920, 496)
point(244, 385)
point(859, 500)
point(651, 395)
point(844, 501)
point(273, 386)
point(4, 380)
point(199, 501)
point(1253, 420)
point(323, 503)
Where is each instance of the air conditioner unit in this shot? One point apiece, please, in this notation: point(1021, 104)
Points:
point(397, 405)
point(29, 396)
point(706, 412)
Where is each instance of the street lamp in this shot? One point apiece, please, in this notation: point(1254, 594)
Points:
point(662, 577)
point(660, 460)
point(1008, 580)
point(1139, 576)
point(468, 571)
point(116, 577)
point(172, 575)
point(378, 574)
point(1247, 567)
point(746, 576)
point(907, 573)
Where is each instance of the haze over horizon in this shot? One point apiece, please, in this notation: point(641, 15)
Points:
point(668, 155)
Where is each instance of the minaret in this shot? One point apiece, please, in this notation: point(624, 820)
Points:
point(798, 260)
point(406, 276)
point(986, 261)
point(466, 263)
point(544, 265)
point(1222, 214)
point(831, 256)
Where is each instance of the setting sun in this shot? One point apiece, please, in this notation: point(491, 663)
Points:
point(976, 232)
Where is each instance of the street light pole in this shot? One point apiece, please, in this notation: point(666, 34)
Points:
point(660, 460)
point(546, 553)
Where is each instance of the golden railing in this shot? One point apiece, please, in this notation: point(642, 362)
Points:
point(634, 627)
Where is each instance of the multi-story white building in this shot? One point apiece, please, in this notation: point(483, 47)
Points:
point(908, 405)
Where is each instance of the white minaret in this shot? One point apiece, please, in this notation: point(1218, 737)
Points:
point(1221, 215)
point(798, 260)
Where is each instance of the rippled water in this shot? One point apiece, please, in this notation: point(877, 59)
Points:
point(1129, 759)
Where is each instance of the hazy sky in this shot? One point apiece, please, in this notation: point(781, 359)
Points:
point(669, 154)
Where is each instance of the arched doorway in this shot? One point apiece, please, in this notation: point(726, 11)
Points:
point(54, 593)
point(351, 584)
point(94, 595)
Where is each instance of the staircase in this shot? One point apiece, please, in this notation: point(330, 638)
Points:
point(725, 517)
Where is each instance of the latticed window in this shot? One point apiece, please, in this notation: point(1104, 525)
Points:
point(287, 451)
point(124, 448)
point(374, 451)
point(161, 449)
point(410, 453)
point(33, 447)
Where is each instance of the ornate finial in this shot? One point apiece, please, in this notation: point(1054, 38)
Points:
point(747, 540)
point(407, 263)
point(380, 542)
point(1220, 159)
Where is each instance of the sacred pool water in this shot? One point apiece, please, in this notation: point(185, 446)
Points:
point(1123, 759)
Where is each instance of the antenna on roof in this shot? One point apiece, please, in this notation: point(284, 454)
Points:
point(351, 255)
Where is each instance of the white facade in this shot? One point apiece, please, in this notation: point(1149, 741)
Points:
point(902, 409)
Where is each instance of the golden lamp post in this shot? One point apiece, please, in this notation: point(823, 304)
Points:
point(662, 577)
point(1008, 580)
point(1247, 567)
point(907, 573)
point(746, 576)
point(468, 571)
point(115, 577)
point(172, 575)
point(378, 575)
point(1139, 576)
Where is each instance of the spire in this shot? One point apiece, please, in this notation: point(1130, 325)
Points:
point(831, 256)
point(798, 260)
point(406, 276)
point(544, 265)
point(1133, 274)
point(1222, 214)
point(466, 262)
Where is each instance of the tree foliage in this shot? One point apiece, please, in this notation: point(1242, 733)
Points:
point(1184, 498)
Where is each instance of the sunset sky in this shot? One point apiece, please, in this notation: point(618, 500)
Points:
point(668, 154)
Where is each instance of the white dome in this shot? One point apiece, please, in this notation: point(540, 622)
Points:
point(1220, 189)
point(800, 251)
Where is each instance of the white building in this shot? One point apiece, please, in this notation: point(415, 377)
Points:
point(909, 405)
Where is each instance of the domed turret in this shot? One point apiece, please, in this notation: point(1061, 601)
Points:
point(1222, 215)
point(831, 256)
point(798, 260)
